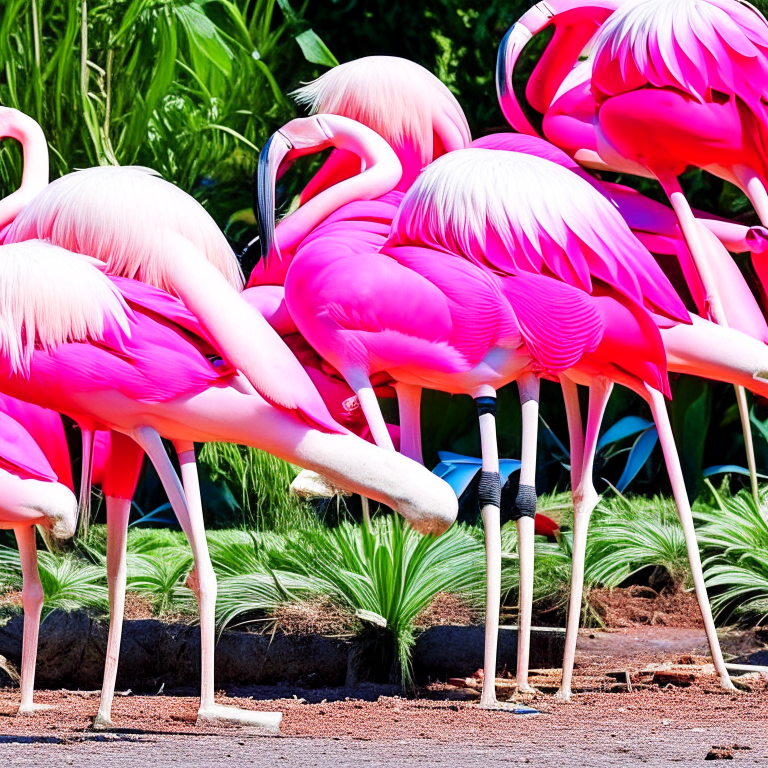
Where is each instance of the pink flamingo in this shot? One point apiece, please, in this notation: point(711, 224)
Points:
point(36, 484)
point(458, 327)
point(169, 241)
point(118, 354)
point(694, 124)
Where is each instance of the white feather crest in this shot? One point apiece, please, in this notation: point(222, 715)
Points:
point(395, 97)
point(119, 215)
point(465, 195)
point(49, 296)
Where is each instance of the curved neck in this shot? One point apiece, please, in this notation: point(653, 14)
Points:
point(381, 173)
point(35, 174)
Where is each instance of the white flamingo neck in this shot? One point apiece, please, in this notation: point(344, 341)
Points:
point(34, 180)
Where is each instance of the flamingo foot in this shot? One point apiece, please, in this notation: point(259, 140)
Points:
point(102, 722)
point(564, 694)
point(526, 688)
point(220, 713)
point(509, 706)
point(727, 683)
point(31, 709)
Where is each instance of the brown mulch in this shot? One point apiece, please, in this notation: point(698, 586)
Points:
point(10, 598)
point(639, 605)
point(138, 607)
point(314, 616)
point(439, 714)
point(446, 609)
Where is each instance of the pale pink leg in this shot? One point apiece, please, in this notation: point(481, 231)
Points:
point(206, 590)
point(585, 499)
point(189, 514)
point(529, 400)
point(32, 601)
point(667, 440)
point(492, 525)
point(118, 513)
point(409, 403)
point(361, 385)
point(85, 482)
point(575, 427)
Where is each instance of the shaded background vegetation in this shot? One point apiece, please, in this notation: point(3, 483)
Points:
point(193, 89)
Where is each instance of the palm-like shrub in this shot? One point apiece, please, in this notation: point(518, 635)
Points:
point(68, 581)
point(735, 538)
point(626, 536)
point(387, 576)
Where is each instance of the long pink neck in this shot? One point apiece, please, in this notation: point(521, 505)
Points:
point(35, 175)
point(381, 175)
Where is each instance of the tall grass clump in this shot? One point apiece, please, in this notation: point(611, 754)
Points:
point(260, 482)
point(734, 535)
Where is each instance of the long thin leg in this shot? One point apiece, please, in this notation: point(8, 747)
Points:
point(575, 428)
point(741, 399)
point(191, 521)
point(32, 601)
point(86, 470)
point(667, 440)
point(409, 403)
point(490, 501)
point(361, 385)
point(695, 238)
point(585, 499)
point(206, 590)
point(118, 513)
point(525, 509)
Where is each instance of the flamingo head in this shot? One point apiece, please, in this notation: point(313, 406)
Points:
point(302, 136)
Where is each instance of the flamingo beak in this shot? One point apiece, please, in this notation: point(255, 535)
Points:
point(302, 136)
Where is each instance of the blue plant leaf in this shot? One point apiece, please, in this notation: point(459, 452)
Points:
point(731, 469)
point(640, 453)
point(459, 471)
point(629, 425)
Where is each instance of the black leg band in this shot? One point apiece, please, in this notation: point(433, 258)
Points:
point(525, 503)
point(489, 489)
point(485, 405)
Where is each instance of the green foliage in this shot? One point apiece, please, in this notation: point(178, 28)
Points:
point(259, 481)
point(68, 581)
point(735, 539)
point(387, 576)
point(629, 535)
point(187, 87)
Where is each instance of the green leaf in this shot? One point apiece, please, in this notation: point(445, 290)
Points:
point(206, 43)
point(315, 50)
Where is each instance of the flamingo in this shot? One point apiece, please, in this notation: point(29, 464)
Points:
point(115, 353)
point(145, 228)
point(567, 93)
point(36, 489)
point(458, 327)
point(369, 218)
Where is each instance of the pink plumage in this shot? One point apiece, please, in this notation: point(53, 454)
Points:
point(547, 221)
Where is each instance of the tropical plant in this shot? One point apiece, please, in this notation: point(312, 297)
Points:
point(387, 576)
point(629, 535)
point(69, 582)
point(735, 538)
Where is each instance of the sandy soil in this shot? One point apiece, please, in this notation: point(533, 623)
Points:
point(442, 727)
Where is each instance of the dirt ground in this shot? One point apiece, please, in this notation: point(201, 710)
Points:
point(681, 723)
